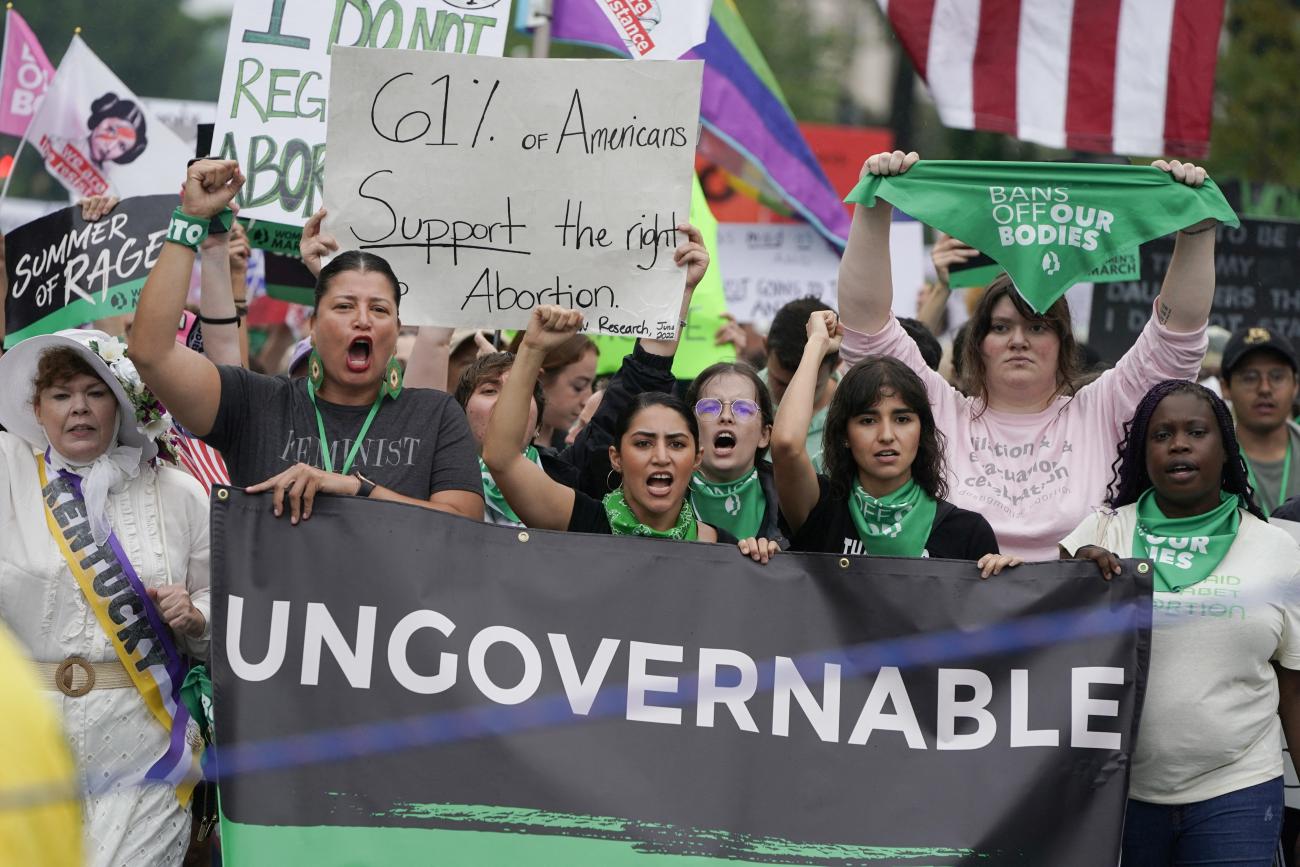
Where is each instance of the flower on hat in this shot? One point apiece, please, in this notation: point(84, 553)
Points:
point(151, 416)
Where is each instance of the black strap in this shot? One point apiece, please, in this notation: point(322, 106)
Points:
point(223, 320)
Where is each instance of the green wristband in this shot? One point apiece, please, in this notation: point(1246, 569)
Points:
point(186, 230)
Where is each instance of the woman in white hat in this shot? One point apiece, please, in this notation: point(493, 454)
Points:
point(104, 581)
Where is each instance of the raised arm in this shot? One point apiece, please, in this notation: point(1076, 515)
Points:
point(866, 284)
point(796, 478)
point(186, 382)
point(1188, 289)
point(537, 499)
point(217, 313)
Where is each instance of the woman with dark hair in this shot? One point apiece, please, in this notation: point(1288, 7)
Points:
point(655, 452)
point(1030, 445)
point(1206, 779)
point(567, 377)
point(348, 428)
point(734, 487)
point(884, 488)
point(117, 131)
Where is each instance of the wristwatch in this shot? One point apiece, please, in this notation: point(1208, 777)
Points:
point(366, 487)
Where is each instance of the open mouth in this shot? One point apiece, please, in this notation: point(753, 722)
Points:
point(359, 355)
point(659, 484)
point(724, 443)
point(1264, 406)
point(1181, 470)
point(887, 456)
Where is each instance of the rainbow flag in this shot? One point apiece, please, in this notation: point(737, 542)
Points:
point(748, 127)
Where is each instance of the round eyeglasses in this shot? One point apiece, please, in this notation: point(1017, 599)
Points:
point(743, 409)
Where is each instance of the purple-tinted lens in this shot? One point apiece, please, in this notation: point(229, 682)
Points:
point(708, 406)
point(744, 409)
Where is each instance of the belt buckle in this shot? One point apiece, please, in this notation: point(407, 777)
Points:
point(64, 675)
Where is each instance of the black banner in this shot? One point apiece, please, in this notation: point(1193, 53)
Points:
point(394, 685)
point(64, 271)
point(1257, 277)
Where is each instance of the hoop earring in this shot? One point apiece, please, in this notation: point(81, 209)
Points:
point(393, 378)
point(609, 480)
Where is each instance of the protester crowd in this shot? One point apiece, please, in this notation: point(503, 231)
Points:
point(849, 441)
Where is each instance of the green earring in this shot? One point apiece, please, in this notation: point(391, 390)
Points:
point(393, 378)
point(315, 369)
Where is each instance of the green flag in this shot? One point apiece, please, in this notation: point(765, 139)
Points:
point(1046, 224)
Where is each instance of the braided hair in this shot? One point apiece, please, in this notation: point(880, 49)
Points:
point(1130, 477)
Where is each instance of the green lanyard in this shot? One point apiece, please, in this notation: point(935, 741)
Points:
point(326, 459)
point(1286, 480)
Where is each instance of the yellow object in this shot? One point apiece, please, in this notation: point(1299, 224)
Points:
point(40, 807)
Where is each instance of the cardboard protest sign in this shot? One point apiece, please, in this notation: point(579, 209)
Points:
point(768, 265)
point(494, 186)
point(64, 271)
point(697, 347)
point(273, 104)
point(541, 698)
point(1257, 283)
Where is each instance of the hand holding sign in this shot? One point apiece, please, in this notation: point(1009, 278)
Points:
point(210, 186)
point(316, 244)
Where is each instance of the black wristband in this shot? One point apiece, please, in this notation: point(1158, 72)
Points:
point(223, 320)
point(1208, 228)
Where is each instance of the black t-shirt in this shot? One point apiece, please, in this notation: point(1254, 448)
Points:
point(956, 535)
point(417, 445)
point(589, 517)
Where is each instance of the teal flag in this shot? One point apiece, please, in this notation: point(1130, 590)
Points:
point(1046, 224)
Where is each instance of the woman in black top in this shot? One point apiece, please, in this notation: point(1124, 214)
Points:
point(656, 450)
point(883, 493)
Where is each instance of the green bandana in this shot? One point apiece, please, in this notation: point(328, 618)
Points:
point(1047, 224)
point(897, 525)
point(1185, 550)
point(624, 523)
point(737, 507)
point(498, 510)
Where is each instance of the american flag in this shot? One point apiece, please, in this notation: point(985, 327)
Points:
point(1112, 76)
point(199, 459)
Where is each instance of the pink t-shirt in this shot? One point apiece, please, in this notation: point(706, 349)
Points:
point(1035, 476)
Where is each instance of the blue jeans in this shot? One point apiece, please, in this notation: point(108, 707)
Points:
point(1240, 828)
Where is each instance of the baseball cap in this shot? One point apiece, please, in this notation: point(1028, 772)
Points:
point(1247, 340)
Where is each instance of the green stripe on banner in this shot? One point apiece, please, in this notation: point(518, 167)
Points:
point(113, 301)
point(533, 837)
point(295, 294)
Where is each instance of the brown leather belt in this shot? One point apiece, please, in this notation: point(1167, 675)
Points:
point(76, 676)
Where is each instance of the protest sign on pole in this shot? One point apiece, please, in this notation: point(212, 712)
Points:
point(494, 186)
point(272, 109)
point(1257, 283)
point(97, 137)
point(64, 271)
point(506, 697)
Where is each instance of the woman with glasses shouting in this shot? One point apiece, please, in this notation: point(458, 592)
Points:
point(883, 492)
point(734, 487)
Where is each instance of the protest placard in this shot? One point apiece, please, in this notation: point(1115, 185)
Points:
point(272, 109)
point(768, 265)
point(1256, 283)
point(64, 271)
point(494, 186)
point(506, 697)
